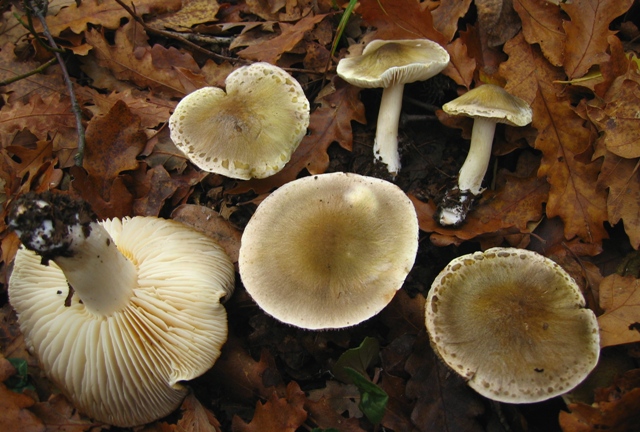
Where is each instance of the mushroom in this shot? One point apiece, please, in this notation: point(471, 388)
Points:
point(391, 64)
point(329, 251)
point(124, 311)
point(487, 104)
point(249, 131)
point(513, 323)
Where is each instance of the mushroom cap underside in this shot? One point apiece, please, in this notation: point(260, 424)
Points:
point(125, 369)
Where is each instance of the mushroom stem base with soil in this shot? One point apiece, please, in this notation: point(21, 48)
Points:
point(385, 147)
point(453, 208)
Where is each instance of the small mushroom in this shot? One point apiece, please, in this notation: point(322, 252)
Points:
point(487, 104)
point(513, 323)
point(329, 251)
point(124, 311)
point(391, 64)
point(249, 131)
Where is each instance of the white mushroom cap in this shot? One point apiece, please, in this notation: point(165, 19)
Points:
point(329, 251)
point(491, 102)
point(249, 131)
point(513, 323)
point(125, 369)
point(384, 63)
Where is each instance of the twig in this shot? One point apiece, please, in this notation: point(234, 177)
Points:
point(172, 35)
point(206, 39)
point(38, 8)
point(37, 70)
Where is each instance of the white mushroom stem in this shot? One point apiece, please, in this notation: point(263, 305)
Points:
point(101, 276)
point(385, 147)
point(475, 165)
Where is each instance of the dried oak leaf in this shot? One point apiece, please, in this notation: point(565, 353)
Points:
point(620, 298)
point(461, 66)
point(326, 406)
point(329, 123)
point(587, 32)
point(443, 401)
point(272, 49)
point(15, 416)
point(45, 117)
point(32, 161)
point(163, 70)
point(616, 70)
point(277, 414)
point(447, 14)
point(57, 413)
point(191, 13)
point(153, 190)
point(196, 418)
point(526, 69)
point(567, 146)
point(113, 143)
point(105, 13)
point(212, 224)
point(542, 24)
point(107, 200)
point(497, 21)
point(617, 408)
point(618, 120)
point(622, 178)
point(395, 19)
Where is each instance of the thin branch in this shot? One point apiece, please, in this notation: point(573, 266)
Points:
point(39, 10)
point(37, 70)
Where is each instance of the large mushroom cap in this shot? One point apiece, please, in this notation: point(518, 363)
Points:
point(329, 251)
point(125, 369)
point(384, 63)
point(491, 102)
point(513, 323)
point(249, 131)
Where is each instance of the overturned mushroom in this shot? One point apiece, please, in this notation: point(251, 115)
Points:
point(392, 64)
point(513, 323)
point(329, 251)
point(125, 309)
point(250, 130)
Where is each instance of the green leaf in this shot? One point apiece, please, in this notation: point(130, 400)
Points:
point(359, 358)
point(373, 400)
point(20, 380)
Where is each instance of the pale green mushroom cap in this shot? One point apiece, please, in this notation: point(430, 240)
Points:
point(385, 63)
point(513, 323)
point(329, 251)
point(249, 131)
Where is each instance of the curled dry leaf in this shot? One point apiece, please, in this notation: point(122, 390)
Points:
point(620, 299)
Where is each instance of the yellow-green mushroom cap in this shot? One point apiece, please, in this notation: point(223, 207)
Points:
point(249, 131)
point(329, 251)
point(513, 323)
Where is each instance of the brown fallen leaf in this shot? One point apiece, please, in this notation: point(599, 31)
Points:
point(57, 413)
point(107, 14)
point(164, 70)
point(14, 407)
point(277, 414)
point(587, 32)
point(497, 21)
point(447, 14)
point(272, 49)
point(542, 24)
point(567, 145)
point(196, 418)
point(618, 121)
point(395, 19)
point(327, 405)
point(212, 224)
point(620, 298)
point(622, 179)
point(616, 409)
point(461, 67)
point(153, 190)
point(191, 13)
